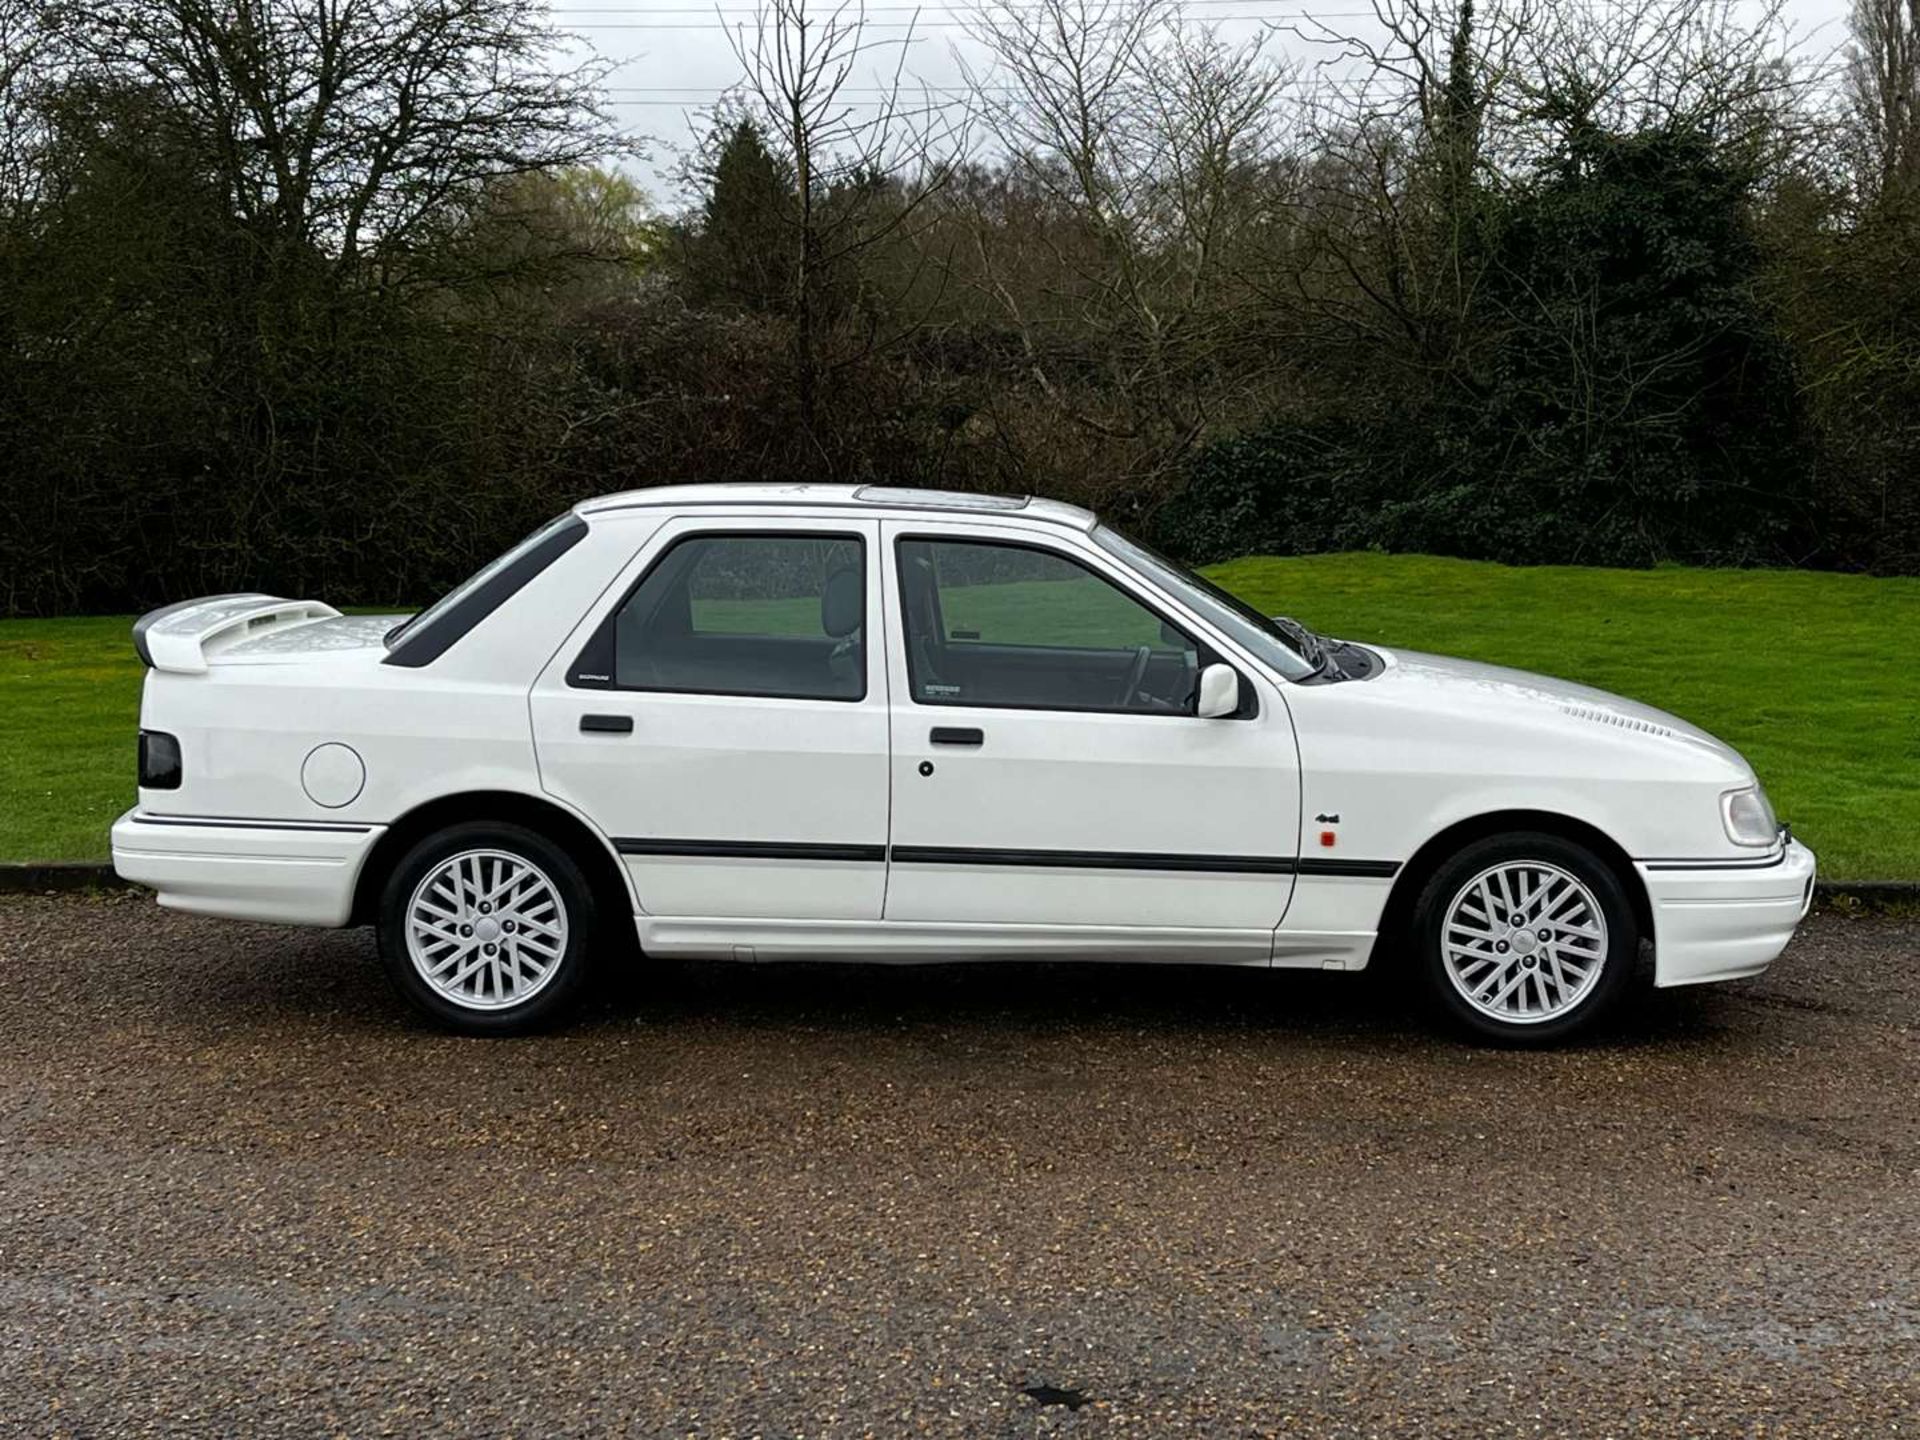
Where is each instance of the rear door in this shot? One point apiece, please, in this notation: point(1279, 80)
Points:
point(722, 714)
point(1047, 766)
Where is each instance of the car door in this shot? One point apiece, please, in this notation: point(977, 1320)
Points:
point(722, 716)
point(1047, 766)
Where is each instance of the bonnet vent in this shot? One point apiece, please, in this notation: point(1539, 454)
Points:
point(1619, 722)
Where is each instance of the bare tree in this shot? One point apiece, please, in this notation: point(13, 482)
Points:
point(33, 50)
point(864, 165)
point(1525, 69)
point(356, 127)
point(1440, 105)
point(1149, 148)
point(1883, 94)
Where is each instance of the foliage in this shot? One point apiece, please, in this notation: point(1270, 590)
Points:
point(1628, 399)
point(739, 256)
point(341, 301)
point(244, 316)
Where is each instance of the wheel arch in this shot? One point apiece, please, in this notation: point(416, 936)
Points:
point(1397, 916)
point(613, 890)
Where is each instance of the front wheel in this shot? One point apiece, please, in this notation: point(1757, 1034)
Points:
point(1526, 939)
point(487, 928)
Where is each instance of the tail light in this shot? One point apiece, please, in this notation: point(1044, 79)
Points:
point(159, 761)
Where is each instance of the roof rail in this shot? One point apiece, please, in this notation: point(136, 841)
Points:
point(908, 497)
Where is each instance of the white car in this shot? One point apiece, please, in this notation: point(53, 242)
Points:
point(812, 722)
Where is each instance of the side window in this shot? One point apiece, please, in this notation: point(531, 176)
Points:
point(1011, 626)
point(770, 615)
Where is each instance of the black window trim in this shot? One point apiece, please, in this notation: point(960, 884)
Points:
point(1205, 653)
point(416, 646)
point(602, 636)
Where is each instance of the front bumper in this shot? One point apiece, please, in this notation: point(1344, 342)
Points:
point(1718, 922)
point(292, 872)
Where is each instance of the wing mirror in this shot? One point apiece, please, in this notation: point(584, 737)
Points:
point(1219, 692)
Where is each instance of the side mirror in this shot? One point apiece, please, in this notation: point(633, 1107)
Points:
point(1219, 692)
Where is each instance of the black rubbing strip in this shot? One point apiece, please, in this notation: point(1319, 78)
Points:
point(1729, 864)
point(1358, 869)
point(1033, 859)
point(217, 822)
point(750, 849)
point(1094, 859)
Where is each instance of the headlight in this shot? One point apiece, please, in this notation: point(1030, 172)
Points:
point(1748, 817)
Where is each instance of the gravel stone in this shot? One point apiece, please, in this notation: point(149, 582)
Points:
point(242, 1192)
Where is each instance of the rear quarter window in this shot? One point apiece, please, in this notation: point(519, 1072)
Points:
point(435, 630)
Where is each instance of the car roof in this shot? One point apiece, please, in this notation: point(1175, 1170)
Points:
point(866, 498)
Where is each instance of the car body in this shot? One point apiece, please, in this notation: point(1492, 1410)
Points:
point(819, 721)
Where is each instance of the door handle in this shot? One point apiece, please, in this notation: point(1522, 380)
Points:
point(607, 724)
point(957, 735)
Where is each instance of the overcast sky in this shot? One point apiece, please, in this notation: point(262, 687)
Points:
point(672, 58)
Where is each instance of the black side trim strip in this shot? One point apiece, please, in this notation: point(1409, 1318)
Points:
point(1365, 869)
point(418, 645)
point(217, 822)
point(750, 849)
point(1094, 859)
point(1036, 859)
point(1764, 864)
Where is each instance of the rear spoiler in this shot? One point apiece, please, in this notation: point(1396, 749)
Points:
point(179, 637)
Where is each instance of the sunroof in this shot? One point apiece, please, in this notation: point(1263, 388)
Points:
point(937, 499)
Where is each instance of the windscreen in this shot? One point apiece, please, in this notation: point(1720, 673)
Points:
point(1248, 626)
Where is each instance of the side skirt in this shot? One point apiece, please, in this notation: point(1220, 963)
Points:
point(905, 942)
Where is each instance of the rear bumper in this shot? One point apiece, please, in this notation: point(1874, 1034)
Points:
point(292, 872)
point(1724, 922)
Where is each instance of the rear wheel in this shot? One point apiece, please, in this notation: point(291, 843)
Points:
point(487, 928)
point(1526, 939)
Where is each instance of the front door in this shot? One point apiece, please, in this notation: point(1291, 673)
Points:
point(723, 717)
point(1047, 767)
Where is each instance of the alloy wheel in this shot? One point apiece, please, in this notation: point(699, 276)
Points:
point(1524, 942)
point(486, 930)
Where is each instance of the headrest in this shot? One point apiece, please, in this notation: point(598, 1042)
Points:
point(843, 602)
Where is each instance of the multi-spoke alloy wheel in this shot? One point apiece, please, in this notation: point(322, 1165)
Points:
point(1524, 942)
point(1527, 937)
point(486, 929)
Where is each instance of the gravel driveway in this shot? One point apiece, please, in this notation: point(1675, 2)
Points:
point(240, 1193)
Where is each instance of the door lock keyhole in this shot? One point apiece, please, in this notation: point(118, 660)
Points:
point(926, 767)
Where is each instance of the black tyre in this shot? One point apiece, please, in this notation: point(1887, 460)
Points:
point(1525, 939)
point(488, 928)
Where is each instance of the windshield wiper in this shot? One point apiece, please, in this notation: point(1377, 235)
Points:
point(1304, 640)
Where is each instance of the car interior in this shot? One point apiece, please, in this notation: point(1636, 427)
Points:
point(949, 663)
point(703, 620)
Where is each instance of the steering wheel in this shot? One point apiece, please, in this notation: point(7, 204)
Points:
point(1137, 672)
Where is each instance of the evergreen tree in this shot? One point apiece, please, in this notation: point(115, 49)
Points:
point(742, 255)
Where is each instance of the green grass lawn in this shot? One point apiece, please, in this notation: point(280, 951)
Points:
point(1809, 675)
point(69, 717)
